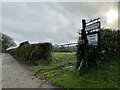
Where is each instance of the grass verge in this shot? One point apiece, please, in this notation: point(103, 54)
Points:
point(105, 76)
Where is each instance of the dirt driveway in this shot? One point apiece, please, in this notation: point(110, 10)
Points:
point(14, 76)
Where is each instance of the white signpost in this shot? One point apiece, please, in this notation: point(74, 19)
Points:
point(92, 26)
point(92, 39)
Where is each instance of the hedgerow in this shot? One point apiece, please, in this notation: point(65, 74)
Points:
point(109, 47)
point(32, 53)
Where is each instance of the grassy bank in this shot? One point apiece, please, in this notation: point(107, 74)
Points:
point(105, 76)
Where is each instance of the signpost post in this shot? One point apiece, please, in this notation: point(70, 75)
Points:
point(83, 61)
point(90, 38)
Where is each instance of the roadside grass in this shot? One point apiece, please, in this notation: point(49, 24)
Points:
point(105, 76)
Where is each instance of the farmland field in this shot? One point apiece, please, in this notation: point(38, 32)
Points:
point(61, 72)
point(63, 55)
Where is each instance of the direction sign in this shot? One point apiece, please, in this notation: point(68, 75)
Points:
point(92, 26)
point(92, 39)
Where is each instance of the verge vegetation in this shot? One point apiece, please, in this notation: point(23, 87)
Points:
point(63, 74)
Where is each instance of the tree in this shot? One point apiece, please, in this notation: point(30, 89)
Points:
point(6, 42)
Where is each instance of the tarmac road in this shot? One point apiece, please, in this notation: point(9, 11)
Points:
point(14, 76)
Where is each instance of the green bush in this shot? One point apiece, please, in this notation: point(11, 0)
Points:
point(110, 42)
point(109, 48)
point(32, 53)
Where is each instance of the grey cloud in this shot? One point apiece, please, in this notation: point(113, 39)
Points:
point(54, 22)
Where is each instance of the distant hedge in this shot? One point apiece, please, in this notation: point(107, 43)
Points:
point(32, 53)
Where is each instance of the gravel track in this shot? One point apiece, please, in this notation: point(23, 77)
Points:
point(14, 76)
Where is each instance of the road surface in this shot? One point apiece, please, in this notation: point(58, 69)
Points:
point(14, 76)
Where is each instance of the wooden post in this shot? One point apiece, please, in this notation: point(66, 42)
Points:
point(84, 37)
point(83, 56)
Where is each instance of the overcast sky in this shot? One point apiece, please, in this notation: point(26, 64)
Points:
point(55, 22)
